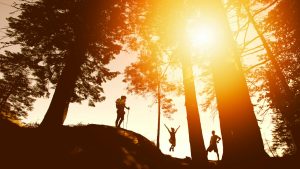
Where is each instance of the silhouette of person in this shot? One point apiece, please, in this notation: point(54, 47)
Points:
point(121, 105)
point(214, 139)
point(172, 139)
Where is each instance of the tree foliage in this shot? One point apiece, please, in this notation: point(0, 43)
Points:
point(275, 78)
point(47, 29)
point(144, 76)
point(162, 30)
point(17, 90)
point(70, 42)
point(283, 23)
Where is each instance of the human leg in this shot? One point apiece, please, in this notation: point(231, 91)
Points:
point(117, 121)
point(217, 152)
point(121, 120)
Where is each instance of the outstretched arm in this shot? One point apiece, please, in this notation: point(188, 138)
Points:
point(177, 128)
point(124, 104)
point(167, 128)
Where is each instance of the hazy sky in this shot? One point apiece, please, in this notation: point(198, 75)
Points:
point(143, 113)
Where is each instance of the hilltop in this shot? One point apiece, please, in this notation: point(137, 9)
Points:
point(90, 146)
point(96, 146)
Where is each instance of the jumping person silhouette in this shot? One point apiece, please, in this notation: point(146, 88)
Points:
point(120, 105)
point(172, 139)
point(214, 139)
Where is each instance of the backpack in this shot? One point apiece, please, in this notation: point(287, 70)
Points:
point(118, 103)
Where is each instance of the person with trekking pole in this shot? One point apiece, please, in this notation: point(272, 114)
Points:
point(121, 105)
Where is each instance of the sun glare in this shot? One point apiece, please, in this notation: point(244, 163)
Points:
point(200, 34)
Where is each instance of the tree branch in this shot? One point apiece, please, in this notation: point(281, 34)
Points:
point(258, 64)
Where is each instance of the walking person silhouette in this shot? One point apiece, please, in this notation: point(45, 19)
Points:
point(172, 139)
point(120, 105)
point(214, 139)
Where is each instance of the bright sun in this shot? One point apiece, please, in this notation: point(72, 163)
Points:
point(200, 34)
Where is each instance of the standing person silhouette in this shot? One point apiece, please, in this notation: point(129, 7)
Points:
point(172, 139)
point(120, 105)
point(214, 139)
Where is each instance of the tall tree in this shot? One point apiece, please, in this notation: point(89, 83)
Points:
point(283, 22)
point(195, 130)
point(147, 76)
point(165, 19)
point(274, 95)
point(279, 33)
point(70, 42)
point(241, 135)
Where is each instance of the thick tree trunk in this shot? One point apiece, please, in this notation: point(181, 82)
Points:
point(57, 111)
point(241, 135)
point(197, 146)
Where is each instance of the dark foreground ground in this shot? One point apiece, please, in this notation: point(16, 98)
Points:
point(97, 146)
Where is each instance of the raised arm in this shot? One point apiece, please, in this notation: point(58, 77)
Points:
point(177, 128)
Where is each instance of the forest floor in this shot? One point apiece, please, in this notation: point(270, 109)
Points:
point(97, 146)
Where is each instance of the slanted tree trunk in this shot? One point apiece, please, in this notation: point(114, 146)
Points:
point(197, 146)
point(57, 111)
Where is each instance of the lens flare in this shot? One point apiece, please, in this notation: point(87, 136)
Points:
point(200, 34)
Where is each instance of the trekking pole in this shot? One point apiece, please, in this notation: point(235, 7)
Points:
point(127, 118)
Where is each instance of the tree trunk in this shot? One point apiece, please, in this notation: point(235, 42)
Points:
point(57, 110)
point(241, 135)
point(158, 113)
point(197, 146)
